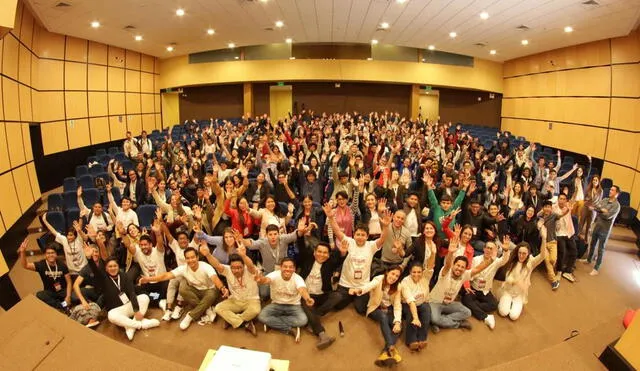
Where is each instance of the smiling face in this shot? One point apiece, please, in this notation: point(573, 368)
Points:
point(466, 235)
point(458, 268)
point(270, 204)
point(416, 273)
point(523, 254)
point(287, 269)
point(392, 276)
point(191, 259)
point(321, 253)
point(112, 268)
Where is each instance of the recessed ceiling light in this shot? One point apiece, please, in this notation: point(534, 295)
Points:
point(568, 29)
point(211, 31)
point(232, 45)
point(524, 42)
point(169, 48)
point(484, 15)
point(431, 47)
point(453, 34)
point(384, 25)
point(138, 37)
point(423, 59)
point(263, 1)
point(180, 12)
point(95, 24)
point(492, 52)
point(401, 1)
point(288, 40)
point(279, 24)
point(374, 42)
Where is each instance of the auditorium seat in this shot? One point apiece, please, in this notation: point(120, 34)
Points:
point(54, 202)
point(90, 197)
point(606, 183)
point(81, 170)
point(70, 200)
point(146, 214)
point(86, 181)
point(69, 184)
point(71, 216)
point(95, 169)
point(57, 220)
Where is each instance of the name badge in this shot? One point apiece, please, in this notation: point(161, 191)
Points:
point(357, 275)
point(57, 286)
point(124, 298)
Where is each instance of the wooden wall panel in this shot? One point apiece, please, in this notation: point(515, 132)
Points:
point(625, 114)
point(132, 60)
point(78, 131)
point(147, 103)
point(50, 106)
point(54, 137)
point(116, 56)
point(5, 164)
point(132, 81)
point(115, 78)
point(76, 103)
point(26, 142)
point(26, 29)
point(24, 67)
point(11, 100)
point(133, 103)
point(14, 138)
point(51, 73)
point(118, 127)
point(25, 103)
point(621, 176)
point(116, 104)
point(148, 122)
point(626, 80)
point(626, 49)
point(9, 207)
point(98, 103)
point(23, 188)
point(99, 127)
point(75, 76)
point(97, 53)
point(10, 55)
point(134, 123)
point(33, 178)
point(76, 49)
point(623, 147)
point(146, 83)
point(97, 77)
point(147, 63)
point(48, 44)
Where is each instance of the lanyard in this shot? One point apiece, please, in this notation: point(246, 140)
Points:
point(55, 273)
point(117, 283)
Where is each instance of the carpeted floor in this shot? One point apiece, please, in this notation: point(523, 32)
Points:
point(590, 306)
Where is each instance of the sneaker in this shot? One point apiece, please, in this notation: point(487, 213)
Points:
point(186, 321)
point(177, 312)
point(324, 341)
point(167, 315)
point(585, 261)
point(383, 359)
point(395, 354)
point(130, 331)
point(92, 323)
point(163, 304)
point(555, 285)
point(465, 325)
point(266, 328)
point(149, 323)
point(594, 272)
point(435, 329)
point(490, 321)
point(569, 277)
point(211, 313)
point(250, 327)
point(295, 332)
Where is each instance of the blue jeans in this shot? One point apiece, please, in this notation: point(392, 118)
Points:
point(385, 320)
point(283, 317)
point(599, 237)
point(265, 292)
point(413, 333)
point(449, 315)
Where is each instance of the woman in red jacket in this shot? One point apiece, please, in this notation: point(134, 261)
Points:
point(241, 221)
point(465, 232)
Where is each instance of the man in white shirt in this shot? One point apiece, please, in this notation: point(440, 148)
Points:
point(243, 304)
point(151, 261)
point(445, 311)
point(567, 249)
point(478, 298)
point(201, 289)
point(287, 288)
point(124, 213)
point(130, 146)
point(96, 217)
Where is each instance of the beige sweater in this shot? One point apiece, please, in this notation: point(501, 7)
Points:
point(374, 288)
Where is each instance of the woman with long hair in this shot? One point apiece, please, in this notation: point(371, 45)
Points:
point(311, 214)
point(526, 230)
point(269, 213)
point(518, 277)
point(241, 220)
point(592, 195)
point(515, 198)
point(415, 290)
point(225, 245)
point(580, 184)
point(385, 308)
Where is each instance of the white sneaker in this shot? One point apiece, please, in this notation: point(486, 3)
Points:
point(594, 272)
point(130, 331)
point(586, 261)
point(149, 323)
point(177, 312)
point(163, 304)
point(490, 321)
point(186, 321)
point(167, 315)
point(211, 313)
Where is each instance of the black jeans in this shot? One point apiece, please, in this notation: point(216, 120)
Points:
point(480, 304)
point(567, 254)
point(55, 299)
point(159, 288)
point(312, 315)
point(340, 298)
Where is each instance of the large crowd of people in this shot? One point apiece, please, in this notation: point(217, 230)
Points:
point(284, 222)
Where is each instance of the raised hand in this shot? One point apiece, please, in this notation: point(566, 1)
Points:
point(456, 230)
point(23, 246)
point(79, 191)
point(385, 218)
point(328, 210)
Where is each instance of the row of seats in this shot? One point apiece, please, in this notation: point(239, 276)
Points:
point(63, 220)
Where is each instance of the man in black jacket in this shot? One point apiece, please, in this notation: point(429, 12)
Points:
point(316, 266)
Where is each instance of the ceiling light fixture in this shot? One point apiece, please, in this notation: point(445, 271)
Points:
point(453, 34)
point(492, 52)
point(484, 15)
point(288, 40)
point(401, 1)
point(568, 29)
point(180, 12)
point(95, 24)
point(292, 58)
point(384, 25)
point(279, 24)
point(232, 45)
point(431, 47)
point(524, 42)
point(236, 57)
point(374, 42)
point(138, 37)
point(170, 48)
point(211, 31)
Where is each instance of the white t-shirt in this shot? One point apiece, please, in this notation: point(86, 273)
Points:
point(356, 269)
point(244, 289)
point(285, 292)
point(411, 223)
point(200, 279)
point(374, 223)
point(415, 292)
point(447, 287)
point(127, 217)
point(314, 280)
point(483, 281)
point(152, 264)
point(73, 253)
point(175, 247)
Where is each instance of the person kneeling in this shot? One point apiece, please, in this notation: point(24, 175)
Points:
point(285, 312)
point(200, 289)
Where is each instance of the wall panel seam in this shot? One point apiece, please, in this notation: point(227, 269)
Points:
point(570, 69)
point(567, 123)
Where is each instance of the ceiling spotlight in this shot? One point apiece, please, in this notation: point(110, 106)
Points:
point(423, 59)
point(211, 31)
point(95, 24)
point(180, 12)
point(401, 1)
point(492, 52)
point(263, 1)
point(568, 29)
point(524, 42)
point(170, 48)
point(384, 25)
point(453, 35)
point(279, 24)
point(431, 47)
point(138, 38)
point(374, 42)
point(232, 45)
point(288, 40)
point(484, 15)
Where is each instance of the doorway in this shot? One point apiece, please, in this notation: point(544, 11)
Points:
point(280, 102)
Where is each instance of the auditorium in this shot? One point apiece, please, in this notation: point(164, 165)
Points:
point(319, 184)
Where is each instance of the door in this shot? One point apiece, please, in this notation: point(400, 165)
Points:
point(280, 102)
